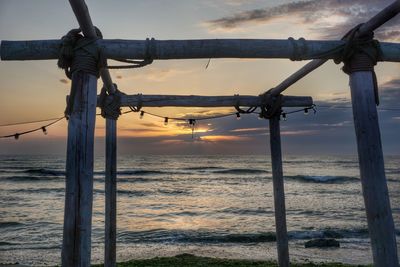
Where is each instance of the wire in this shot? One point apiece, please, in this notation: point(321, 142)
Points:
point(28, 122)
point(43, 128)
point(142, 112)
point(191, 120)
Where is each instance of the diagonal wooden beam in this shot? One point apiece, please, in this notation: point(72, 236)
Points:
point(375, 22)
point(85, 23)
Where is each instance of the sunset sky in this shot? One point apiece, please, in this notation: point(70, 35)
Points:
point(35, 90)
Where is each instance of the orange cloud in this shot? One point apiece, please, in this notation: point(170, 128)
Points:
point(250, 129)
point(300, 132)
point(223, 138)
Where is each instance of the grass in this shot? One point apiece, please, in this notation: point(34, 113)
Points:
point(189, 260)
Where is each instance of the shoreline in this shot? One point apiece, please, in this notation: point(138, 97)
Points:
point(187, 259)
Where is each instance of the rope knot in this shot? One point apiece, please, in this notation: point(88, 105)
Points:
point(110, 104)
point(270, 105)
point(240, 110)
point(360, 53)
point(149, 53)
point(299, 48)
point(78, 53)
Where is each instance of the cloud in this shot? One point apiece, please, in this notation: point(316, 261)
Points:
point(389, 93)
point(249, 129)
point(155, 74)
point(224, 138)
point(327, 18)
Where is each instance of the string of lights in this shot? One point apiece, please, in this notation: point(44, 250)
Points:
point(191, 121)
point(41, 128)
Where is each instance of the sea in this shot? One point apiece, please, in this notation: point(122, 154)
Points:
point(217, 206)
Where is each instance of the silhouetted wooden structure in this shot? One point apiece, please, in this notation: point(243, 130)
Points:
point(79, 166)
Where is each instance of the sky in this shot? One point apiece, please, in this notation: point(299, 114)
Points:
point(34, 90)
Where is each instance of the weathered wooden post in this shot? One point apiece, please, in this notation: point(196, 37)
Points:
point(279, 192)
point(111, 194)
point(82, 14)
point(372, 170)
point(79, 172)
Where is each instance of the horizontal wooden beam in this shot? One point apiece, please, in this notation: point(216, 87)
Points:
point(192, 49)
point(208, 101)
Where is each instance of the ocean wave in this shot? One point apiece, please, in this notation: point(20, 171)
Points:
point(46, 190)
point(45, 171)
point(173, 192)
point(5, 246)
point(239, 211)
point(10, 224)
point(3, 243)
point(240, 171)
point(135, 193)
point(330, 233)
point(202, 168)
point(192, 236)
point(143, 172)
point(322, 179)
point(138, 180)
point(30, 178)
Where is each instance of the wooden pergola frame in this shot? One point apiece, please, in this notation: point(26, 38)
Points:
point(79, 167)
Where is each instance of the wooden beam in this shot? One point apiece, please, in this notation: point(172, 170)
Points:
point(375, 22)
point(372, 170)
point(279, 192)
point(191, 49)
point(85, 22)
point(208, 101)
point(79, 173)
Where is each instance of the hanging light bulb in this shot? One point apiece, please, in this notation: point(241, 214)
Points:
point(284, 116)
point(306, 111)
point(192, 123)
point(165, 121)
point(141, 114)
point(44, 130)
point(237, 115)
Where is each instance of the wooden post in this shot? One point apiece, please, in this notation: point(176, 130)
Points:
point(111, 194)
point(373, 179)
point(85, 22)
point(279, 192)
point(79, 173)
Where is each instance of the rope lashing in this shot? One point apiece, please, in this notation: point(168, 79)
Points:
point(148, 58)
point(299, 48)
point(242, 111)
point(139, 105)
point(110, 104)
point(360, 53)
point(271, 106)
point(78, 53)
